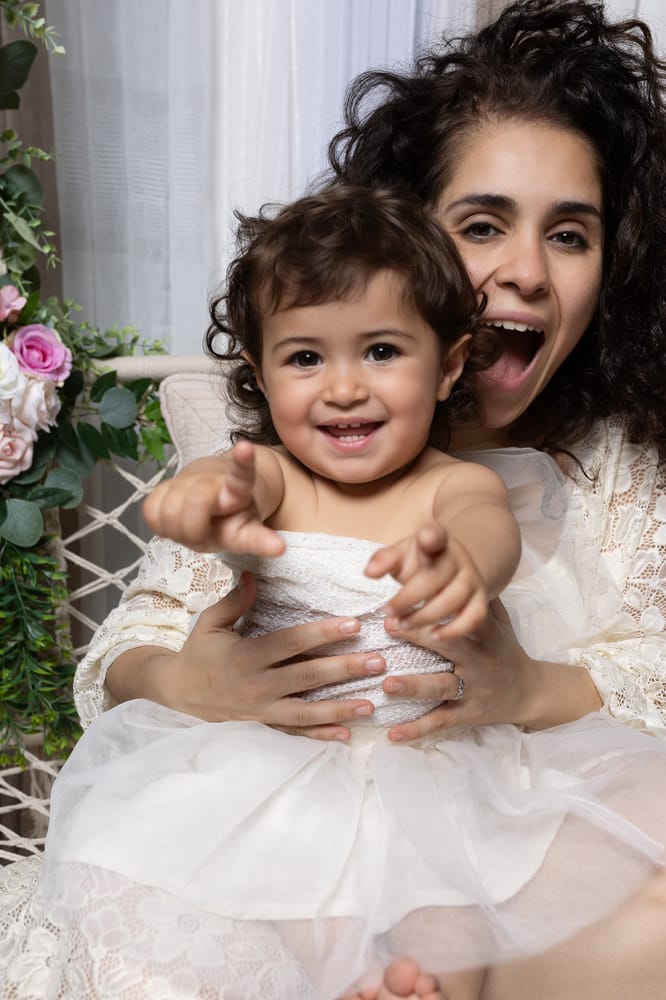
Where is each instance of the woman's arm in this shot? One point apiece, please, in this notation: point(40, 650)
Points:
point(622, 666)
point(627, 503)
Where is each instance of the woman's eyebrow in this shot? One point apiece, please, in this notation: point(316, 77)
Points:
point(577, 208)
point(504, 203)
point(485, 200)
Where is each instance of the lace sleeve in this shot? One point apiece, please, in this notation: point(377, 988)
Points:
point(172, 585)
point(627, 507)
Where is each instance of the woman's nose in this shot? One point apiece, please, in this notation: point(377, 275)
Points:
point(525, 266)
point(344, 386)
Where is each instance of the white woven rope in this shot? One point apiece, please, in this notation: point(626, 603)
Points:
point(25, 791)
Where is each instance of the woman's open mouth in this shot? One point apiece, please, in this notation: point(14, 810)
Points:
point(520, 345)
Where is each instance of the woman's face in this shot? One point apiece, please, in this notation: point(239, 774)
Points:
point(524, 206)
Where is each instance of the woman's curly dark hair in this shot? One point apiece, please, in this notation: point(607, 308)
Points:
point(560, 62)
point(327, 246)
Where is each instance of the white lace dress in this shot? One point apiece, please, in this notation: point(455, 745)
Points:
point(189, 859)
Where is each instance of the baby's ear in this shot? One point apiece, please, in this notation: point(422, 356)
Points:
point(453, 363)
point(256, 370)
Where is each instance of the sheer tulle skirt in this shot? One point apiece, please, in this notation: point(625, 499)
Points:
point(191, 859)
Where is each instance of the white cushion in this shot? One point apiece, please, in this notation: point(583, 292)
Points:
point(193, 405)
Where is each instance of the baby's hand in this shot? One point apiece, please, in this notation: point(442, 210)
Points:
point(441, 582)
point(210, 506)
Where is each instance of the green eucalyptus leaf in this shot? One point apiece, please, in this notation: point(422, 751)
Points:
point(47, 497)
point(21, 180)
point(118, 407)
point(102, 384)
point(16, 58)
point(31, 475)
point(23, 229)
point(23, 524)
point(70, 482)
point(93, 440)
point(75, 456)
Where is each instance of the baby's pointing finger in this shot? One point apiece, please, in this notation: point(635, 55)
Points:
point(386, 560)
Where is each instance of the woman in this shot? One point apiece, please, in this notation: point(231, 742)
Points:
point(541, 143)
point(588, 370)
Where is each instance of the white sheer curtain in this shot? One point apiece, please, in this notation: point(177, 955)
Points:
point(168, 115)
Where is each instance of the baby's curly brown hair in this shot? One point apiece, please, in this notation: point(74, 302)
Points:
point(325, 247)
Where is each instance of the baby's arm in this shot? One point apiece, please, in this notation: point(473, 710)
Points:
point(221, 503)
point(452, 567)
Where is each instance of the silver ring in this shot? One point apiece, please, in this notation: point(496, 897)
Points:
point(461, 689)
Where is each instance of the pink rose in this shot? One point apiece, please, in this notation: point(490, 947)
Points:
point(11, 303)
point(37, 404)
point(40, 352)
point(16, 442)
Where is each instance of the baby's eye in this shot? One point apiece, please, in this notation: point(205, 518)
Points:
point(382, 352)
point(305, 359)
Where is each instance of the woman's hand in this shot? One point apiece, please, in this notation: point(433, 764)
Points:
point(502, 683)
point(220, 676)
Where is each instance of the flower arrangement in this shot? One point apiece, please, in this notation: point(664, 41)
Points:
point(61, 411)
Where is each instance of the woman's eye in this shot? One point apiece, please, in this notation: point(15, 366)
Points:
point(570, 238)
point(305, 359)
point(381, 352)
point(480, 230)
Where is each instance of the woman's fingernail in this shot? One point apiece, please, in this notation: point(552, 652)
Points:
point(374, 665)
point(396, 737)
point(394, 686)
point(349, 626)
point(392, 624)
point(388, 611)
point(363, 711)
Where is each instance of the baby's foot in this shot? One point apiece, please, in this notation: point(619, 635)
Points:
point(403, 980)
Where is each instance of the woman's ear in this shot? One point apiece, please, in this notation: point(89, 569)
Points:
point(453, 363)
point(256, 370)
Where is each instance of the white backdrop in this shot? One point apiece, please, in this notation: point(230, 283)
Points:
point(170, 114)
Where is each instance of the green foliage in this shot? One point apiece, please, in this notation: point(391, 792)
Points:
point(94, 419)
point(36, 662)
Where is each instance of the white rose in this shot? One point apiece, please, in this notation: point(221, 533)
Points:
point(11, 376)
point(36, 404)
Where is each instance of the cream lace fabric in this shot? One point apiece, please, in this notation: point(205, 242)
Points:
point(625, 505)
point(622, 506)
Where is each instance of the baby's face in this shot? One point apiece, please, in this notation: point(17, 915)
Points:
point(352, 385)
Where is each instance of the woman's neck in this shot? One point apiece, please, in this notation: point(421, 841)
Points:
point(477, 438)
